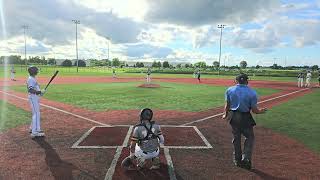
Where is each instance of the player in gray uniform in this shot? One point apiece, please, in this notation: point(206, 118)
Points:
point(145, 142)
point(33, 95)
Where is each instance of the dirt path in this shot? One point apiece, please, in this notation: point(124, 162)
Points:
point(275, 156)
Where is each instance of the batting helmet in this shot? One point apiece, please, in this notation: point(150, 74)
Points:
point(146, 114)
point(33, 70)
point(242, 78)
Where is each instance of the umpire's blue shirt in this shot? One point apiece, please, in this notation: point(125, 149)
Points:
point(241, 98)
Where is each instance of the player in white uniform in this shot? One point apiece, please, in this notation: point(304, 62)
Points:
point(149, 76)
point(34, 93)
point(114, 75)
point(145, 141)
point(300, 80)
point(308, 79)
point(12, 73)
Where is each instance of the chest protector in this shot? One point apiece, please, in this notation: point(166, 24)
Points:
point(150, 135)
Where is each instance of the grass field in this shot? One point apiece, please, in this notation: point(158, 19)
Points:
point(123, 96)
point(107, 72)
point(298, 118)
point(12, 116)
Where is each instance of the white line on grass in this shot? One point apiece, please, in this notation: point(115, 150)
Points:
point(172, 174)
point(60, 110)
point(220, 114)
point(114, 162)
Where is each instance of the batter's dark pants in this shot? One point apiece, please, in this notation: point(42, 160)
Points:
point(248, 143)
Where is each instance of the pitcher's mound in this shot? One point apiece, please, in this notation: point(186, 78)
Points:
point(149, 86)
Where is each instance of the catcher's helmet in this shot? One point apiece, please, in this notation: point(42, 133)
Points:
point(146, 114)
point(242, 78)
point(33, 70)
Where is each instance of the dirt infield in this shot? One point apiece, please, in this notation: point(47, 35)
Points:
point(275, 156)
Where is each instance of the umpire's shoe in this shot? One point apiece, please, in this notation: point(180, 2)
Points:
point(246, 164)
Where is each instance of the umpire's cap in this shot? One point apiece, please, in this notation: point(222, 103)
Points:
point(146, 114)
point(242, 78)
point(33, 70)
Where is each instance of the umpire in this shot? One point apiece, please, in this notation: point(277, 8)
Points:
point(240, 101)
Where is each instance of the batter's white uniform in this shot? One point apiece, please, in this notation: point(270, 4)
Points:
point(35, 105)
point(308, 79)
point(12, 72)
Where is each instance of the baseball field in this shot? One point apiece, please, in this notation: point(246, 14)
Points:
point(88, 118)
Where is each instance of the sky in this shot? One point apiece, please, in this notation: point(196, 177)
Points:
point(285, 32)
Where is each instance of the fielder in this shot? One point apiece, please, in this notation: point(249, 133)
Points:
point(114, 75)
point(33, 94)
point(12, 73)
point(198, 75)
point(319, 79)
point(300, 80)
point(149, 76)
point(308, 79)
point(145, 142)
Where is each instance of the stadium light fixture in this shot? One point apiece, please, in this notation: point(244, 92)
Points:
point(76, 22)
point(25, 27)
point(220, 26)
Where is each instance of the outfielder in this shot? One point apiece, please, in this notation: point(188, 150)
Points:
point(300, 79)
point(12, 73)
point(149, 75)
point(198, 75)
point(308, 79)
point(319, 78)
point(114, 75)
point(34, 93)
point(145, 142)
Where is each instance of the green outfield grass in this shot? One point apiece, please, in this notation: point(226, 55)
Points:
point(11, 116)
point(47, 71)
point(298, 118)
point(124, 96)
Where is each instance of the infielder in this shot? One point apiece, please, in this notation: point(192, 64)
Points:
point(198, 75)
point(145, 143)
point(319, 79)
point(300, 79)
point(308, 79)
point(33, 94)
point(12, 73)
point(240, 101)
point(149, 75)
point(114, 75)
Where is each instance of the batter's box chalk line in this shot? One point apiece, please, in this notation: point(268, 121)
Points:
point(77, 145)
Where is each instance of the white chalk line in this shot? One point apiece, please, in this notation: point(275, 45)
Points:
point(220, 114)
point(171, 172)
point(60, 110)
point(116, 157)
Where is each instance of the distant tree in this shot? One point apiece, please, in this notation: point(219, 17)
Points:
point(115, 62)
point(66, 63)
point(81, 63)
point(315, 67)
point(166, 64)
point(258, 67)
point(178, 65)
point(139, 64)
point(274, 66)
point(216, 64)
point(52, 61)
point(156, 64)
point(243, 64)
point(201, 64)
point(187, 65)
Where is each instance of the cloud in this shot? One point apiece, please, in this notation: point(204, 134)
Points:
point(50, 21)
point(147, 50)
point(204, 12)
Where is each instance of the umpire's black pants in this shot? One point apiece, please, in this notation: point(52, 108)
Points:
point(248, 143)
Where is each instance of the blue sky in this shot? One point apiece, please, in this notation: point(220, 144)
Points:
point(261, 32)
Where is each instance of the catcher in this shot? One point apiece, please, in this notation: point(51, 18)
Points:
point(145, 143)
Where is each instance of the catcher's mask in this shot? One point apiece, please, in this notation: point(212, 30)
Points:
point(33, 70)
point(146, 114)
point(242, 78)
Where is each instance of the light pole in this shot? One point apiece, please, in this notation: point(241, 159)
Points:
point(25, 27)
point(109, 39)
point(220, 26)
point(77, 22)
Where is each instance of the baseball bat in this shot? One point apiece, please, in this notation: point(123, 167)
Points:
point(55, 74)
